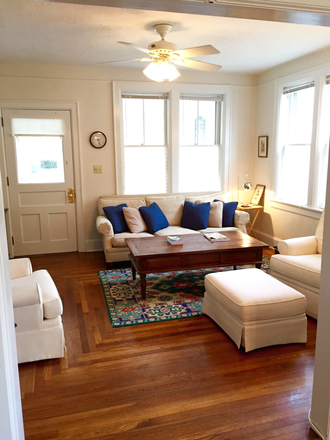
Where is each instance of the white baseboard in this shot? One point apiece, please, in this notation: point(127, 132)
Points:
point(266, 238)
point(93, 245)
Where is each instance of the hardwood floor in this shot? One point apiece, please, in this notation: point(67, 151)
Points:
point(181, 380)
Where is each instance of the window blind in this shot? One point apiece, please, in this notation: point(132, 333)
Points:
point(145, 96)
point(202, 97)
point(292, 89)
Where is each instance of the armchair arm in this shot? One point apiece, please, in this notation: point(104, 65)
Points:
point(20, 267)
point(28, 306)
point(104, 226)
point(298, 246)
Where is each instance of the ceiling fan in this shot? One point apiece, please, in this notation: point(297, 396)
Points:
point(163, 54)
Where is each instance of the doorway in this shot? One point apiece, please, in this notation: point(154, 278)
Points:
point(39, 159)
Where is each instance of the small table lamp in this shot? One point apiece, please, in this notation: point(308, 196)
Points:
point(246, 185)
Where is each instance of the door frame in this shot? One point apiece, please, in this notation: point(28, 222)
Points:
point(72, 107)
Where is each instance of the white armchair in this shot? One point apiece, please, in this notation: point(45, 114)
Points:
point(298, 265)
point(37, 313)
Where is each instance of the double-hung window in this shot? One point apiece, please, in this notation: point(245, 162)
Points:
point(145, 150)
point(200, 161)
point(171, 137)
point(303, 144)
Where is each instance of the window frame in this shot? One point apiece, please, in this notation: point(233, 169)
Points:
point(174, 91)
point(318, 76)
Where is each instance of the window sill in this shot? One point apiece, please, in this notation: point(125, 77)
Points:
point(295, 209)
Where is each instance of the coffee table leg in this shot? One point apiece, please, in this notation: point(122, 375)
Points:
point(133, 272)
point(143, 285)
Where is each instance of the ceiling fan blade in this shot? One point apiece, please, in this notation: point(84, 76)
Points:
point(197, 51)
point(199, 65)
point(118, 61)
point(133, 45)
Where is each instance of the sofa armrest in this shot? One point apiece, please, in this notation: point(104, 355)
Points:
point(104, 226)
point(298, 246)
point(241, 219)
point(20, 267)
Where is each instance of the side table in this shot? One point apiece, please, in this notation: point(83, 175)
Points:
point(248, 208)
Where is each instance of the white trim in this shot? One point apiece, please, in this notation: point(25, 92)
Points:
point(174, 91)
point(11, 419)
point(72, 107)
point(300, 210)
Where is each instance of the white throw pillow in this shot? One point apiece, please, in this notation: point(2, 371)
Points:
point(215, 216)
point(134, 220)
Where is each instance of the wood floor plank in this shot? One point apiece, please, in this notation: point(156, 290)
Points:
point(181, 380)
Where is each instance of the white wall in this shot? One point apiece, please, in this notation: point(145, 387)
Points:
point(275, 223)
point(91, 89)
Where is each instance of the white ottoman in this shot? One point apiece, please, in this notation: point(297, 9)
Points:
point(255, 309)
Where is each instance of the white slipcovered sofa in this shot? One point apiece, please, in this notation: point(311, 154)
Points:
point(37, 313)
point(114, 245)
point(298, 265)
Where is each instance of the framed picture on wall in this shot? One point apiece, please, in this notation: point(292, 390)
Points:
point(263, 146)
point(258, 192)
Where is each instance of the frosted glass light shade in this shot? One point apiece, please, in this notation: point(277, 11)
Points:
point(160, 70)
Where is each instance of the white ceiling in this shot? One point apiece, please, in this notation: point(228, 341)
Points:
point(46, 32)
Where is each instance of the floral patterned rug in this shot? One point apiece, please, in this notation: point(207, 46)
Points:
point(170, 295)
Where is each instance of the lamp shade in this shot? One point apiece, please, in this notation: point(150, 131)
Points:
point(160, 70)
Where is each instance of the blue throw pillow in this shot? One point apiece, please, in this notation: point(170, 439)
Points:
point(115, 215)
point(228, 213)
point(195, 216)
point(154, 217)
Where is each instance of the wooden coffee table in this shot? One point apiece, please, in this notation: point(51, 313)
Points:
point(155, 254)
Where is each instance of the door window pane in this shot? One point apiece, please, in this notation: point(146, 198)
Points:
point(39, 159)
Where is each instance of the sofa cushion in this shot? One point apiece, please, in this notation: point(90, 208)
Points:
point(119, 240)
point(171, 206)
point(305, 268)
point(175, 230)
point(228, 214)
point(195, 216)
point(132, 202)
point(153, 217)
point(134, 220)
point(319, 233)
point(116, 216)
point(215, 216)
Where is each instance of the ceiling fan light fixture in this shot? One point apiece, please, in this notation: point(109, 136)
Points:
point(160, 70)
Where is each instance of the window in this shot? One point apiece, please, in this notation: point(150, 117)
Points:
point(39, 150)
point(145, 148)
point(170, 139)
point(303, 144)
point(199, 151)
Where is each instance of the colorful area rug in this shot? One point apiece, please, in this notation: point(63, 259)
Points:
point(170, 295)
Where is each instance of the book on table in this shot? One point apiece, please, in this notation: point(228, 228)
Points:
point(174, 240)
point(216, 236)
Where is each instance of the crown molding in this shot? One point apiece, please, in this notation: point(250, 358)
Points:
point(296, 11)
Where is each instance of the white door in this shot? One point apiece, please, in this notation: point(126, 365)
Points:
point(38, 147)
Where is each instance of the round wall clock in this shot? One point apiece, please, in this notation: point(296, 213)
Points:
point(98, 139)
